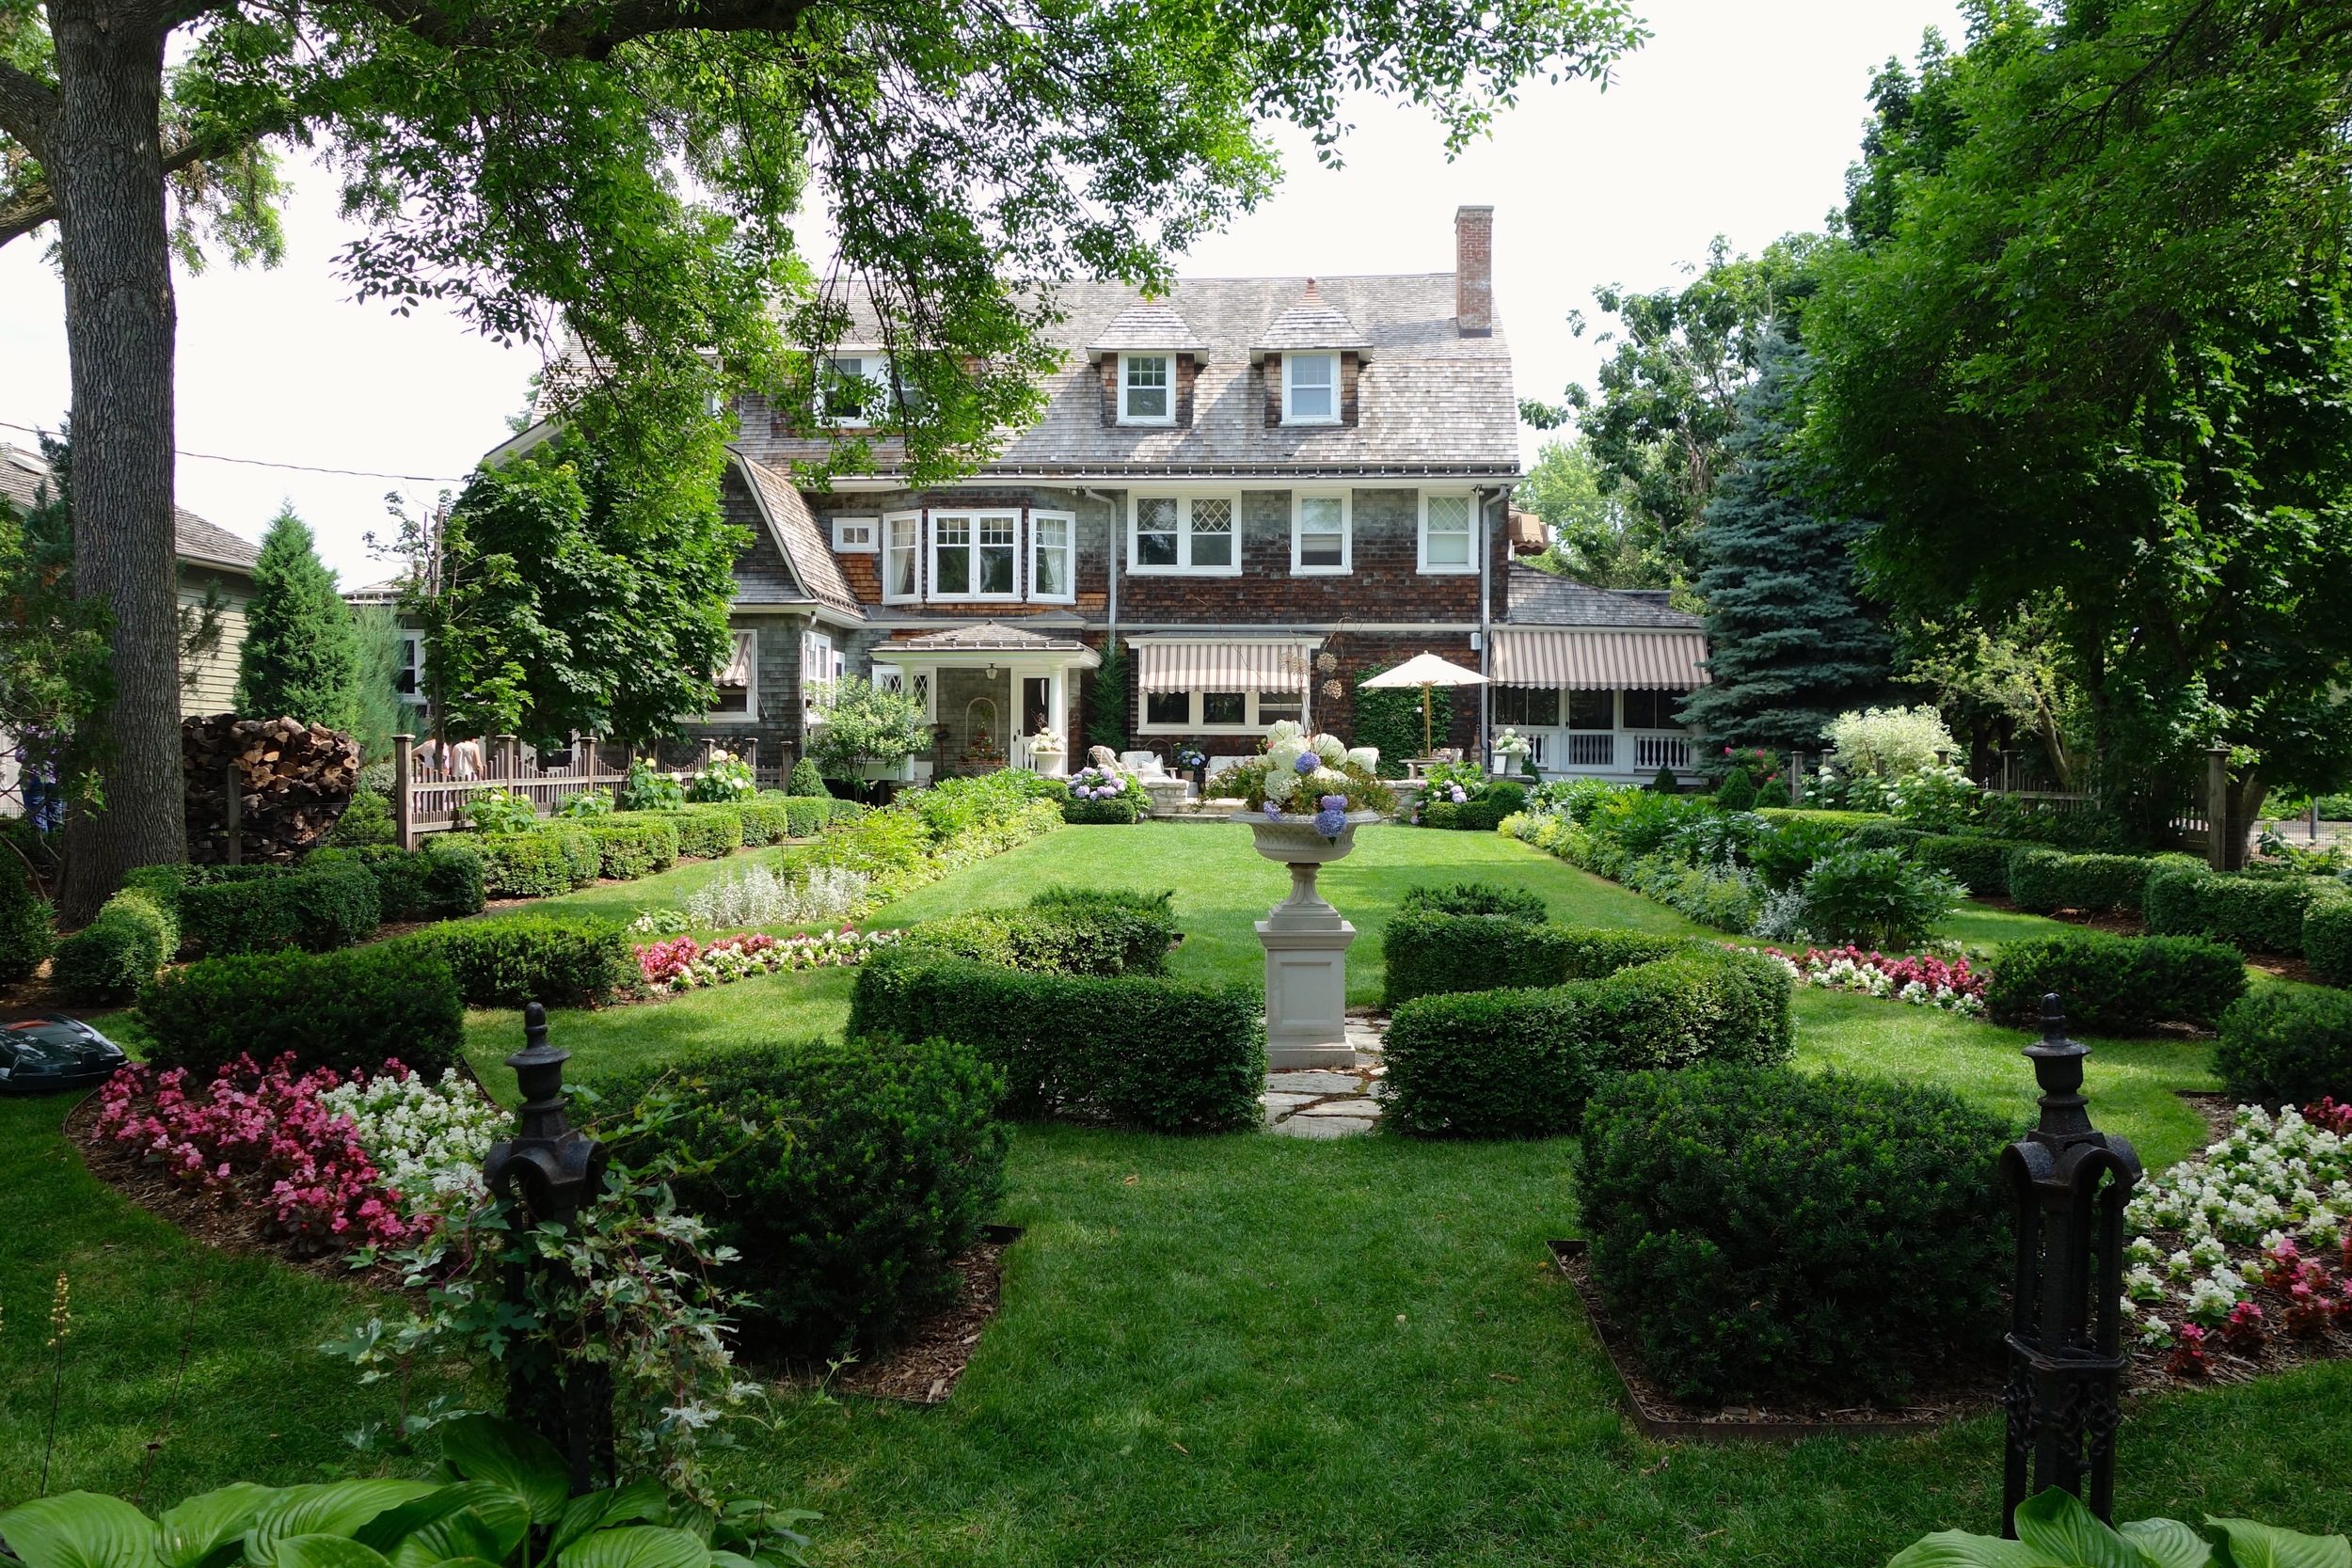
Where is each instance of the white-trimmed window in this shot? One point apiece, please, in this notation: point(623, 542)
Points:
point(974, 554)
point(1184, 533)
point(892, 677)
point(850, 390)
point(854, 535)
point(1147, 389)
point(1204, 712)
point(820, 666)
point(902, 557)
point(1311, 388)
point(1052, 557)
point(408, 680)
point(1448, 541)
point(1320, 540)
point(737, 681)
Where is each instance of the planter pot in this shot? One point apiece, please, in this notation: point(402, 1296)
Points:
point(1306, 942)
point(1293, 840)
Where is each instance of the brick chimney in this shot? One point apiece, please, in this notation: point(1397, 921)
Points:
point(1475, 270)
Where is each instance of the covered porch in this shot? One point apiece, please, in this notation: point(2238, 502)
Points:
point(1597, 704)
point(996, 695)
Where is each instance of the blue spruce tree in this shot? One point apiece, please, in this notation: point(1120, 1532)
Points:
point(1791, 645)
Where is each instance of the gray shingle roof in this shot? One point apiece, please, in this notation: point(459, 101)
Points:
point(1148, 324)
point(1430, 400)
point(1535, 599)
point(1311, 323)
point(982, 637)
point(805, 547)
point(23, 474)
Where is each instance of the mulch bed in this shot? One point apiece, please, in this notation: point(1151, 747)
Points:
point(926, 1363)
point(2112, 922)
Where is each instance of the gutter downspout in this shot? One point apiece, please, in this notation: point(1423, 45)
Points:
point(1110, 638)
point(1485, 616)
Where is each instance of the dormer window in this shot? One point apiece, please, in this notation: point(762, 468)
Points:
point(1311, 388)
point(848, 394)
point(1147, 389)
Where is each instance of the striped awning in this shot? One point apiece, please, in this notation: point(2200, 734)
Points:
point(1599, 660)
point(741, 651)
point(1283, 664)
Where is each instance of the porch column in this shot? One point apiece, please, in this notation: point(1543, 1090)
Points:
point(1058, 719)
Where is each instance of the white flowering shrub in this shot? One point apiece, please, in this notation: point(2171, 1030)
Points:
point(428, 1140)
point(1888, 741)
point(755, 895)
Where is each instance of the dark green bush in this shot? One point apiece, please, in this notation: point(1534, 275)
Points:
point(629, 846)
point(805, 815)
point(108, 959)
point(870, 1164)
point(347, 1010)
point(2116, 984)
point(1524, 1063)
point(1899, 836)
point(523, 866)
point(1738, 792)
point(317, 911)
point(1483, 813)
point(560, 960)
point(703, 832)
point(1978, 865)
point(440, 881)
point(765, 819)
point(582, 856)
point(1798, 838)
point(1761, 1230)
point(808, 783)
point(1875, 898)
point(1428, 955)
point(1128, 805)
point(1474, 898)
point(2328, 940)
point(26, 936)
point(2282, 1046)
point(2258, 914)
point(367, 820)
point(1167, 1055)
point(2045, 882)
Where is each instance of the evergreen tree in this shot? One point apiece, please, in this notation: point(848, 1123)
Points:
point(301, 655)
point(1790, 646)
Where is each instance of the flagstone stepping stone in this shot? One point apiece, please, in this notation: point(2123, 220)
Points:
point(1322, 1126)
point(1350, 1106)
point(1314, 1081)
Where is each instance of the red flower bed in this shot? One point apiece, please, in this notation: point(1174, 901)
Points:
point(259, 1136)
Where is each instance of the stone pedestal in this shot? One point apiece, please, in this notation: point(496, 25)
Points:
point(1306, 945)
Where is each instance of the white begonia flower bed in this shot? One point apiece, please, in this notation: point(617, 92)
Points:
point(428, 1140)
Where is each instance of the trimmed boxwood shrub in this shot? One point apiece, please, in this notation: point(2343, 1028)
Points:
point(1980, 864)
point(2328, 940)
point(1167, 1055)
point(317, 911)
point(26, 936)
point(2116, 984)
point(805, 815)
point(440, 879)
point(2282, 1046)
point(1513, 903)
point(1848, 822)
point(765, 819)
point(703, 832)
point(628, 847)
point(108, 959)
point(523, 866)
point(560, 960)
point(1128, 805)
point(1065, 931)
point(1483, 814)
point(348, 1010)
point(868, 1165)
point(2045, 881)
point(2260, 914)
point(1505, 1064)
point(1761, 1230)
point(1428, 955)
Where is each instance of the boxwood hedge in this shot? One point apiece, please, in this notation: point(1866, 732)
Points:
point(2046, 880)
point(1428, 954)
point(1980, 864)
point(2260, 914)
point(2116, 984)
point(2282, 1046)
point(558, 960)
point(347, 1010)
point(2328, 940)
point(627, 849)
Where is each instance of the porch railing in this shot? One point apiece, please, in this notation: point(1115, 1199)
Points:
point(1588, 750)
point(1661, 751)
point(433, 780)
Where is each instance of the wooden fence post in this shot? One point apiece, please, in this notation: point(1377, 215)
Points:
point(404, 797)
point(233, 811)
point(1796, 779)
point(2218, 808)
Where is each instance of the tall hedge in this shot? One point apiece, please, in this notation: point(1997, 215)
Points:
point(846, 1175)
point(1980, 864)
point(1524, 1063)
point(440, 879)
point(2116, 984)
point(314, 910)
point(26, 936)
point(347, 1010)
point(1168, 1055)
point(1760, 1231)
point(2328, 940)
point(2045, 881)
point(2260, 914)
point(2282, 1046)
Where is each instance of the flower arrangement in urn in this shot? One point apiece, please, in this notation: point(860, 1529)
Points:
point(1303, 775)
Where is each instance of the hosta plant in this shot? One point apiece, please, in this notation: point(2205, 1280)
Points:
point(2055, 1530)
point(510, 1506)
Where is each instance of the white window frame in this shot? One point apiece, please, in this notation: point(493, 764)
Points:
point(1185, 501)
point(856, 535)
point(1421, 537)
point(1253, 724)
point(1127, 416)
point(1298, 527)
point(1290, 384)
point(1068, 520)
point(889, 548)
point(854, 416)
point(973, 518)
point(414, 642)
point(750, 686)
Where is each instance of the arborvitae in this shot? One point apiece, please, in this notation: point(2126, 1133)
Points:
point(301, 654)
point(1790, 646)
point(806, 780)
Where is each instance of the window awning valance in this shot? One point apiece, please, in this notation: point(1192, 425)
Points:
point(1600, 660)
point(739, 656)
point(1285, 664)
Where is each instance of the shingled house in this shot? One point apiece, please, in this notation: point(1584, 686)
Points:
point(1262, 490)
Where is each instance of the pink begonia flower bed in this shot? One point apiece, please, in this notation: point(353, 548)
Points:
point(259, 1136)
point(1924, 981)
point(681, 963)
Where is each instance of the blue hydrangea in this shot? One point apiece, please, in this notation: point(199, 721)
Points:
point(1273, 812)
point(1306, 764)
point(1330, 823)
point(1333, 802)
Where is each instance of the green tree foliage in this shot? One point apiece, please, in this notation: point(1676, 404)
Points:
point(2095, 347)
point(382, 711)
point(1106, 701)
point(1600, 534)
point(1391, 719)
point(54, 680)
point(569, 594)
point(300, 658)
point(1790, 646)
point(1669, 392)
point(865, 723)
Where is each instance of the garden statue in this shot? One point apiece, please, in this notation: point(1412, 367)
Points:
point(1328, 796)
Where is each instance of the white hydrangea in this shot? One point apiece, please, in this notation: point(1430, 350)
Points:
point(1280, 785)
point(1282, 757)
point(1332, 750)
point(1281, 733)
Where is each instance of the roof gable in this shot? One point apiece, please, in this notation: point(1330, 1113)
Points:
point(1312, 322)
point(23, 474)
point(793, 528)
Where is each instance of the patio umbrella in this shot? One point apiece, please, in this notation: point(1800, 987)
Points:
point(1425, 670)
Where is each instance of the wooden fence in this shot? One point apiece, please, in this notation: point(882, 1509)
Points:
point(432, 782)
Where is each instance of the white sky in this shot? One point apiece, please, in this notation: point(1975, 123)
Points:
point(1740, 119)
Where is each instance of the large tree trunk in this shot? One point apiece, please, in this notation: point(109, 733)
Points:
point(106, 164)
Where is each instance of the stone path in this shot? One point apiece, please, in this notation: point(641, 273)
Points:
point(1332, 1102)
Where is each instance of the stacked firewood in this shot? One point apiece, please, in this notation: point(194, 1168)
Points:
point(293, 782)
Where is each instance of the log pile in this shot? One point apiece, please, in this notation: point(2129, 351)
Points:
point(295, 781)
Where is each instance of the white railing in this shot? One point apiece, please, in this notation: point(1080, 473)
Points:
point(1661, 751)
point(430, 783)
point(1590, 749)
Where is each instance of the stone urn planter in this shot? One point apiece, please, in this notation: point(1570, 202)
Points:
point(1306, 944)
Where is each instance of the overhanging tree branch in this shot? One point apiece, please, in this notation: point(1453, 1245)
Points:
point(28, 107)
point(590, 32)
